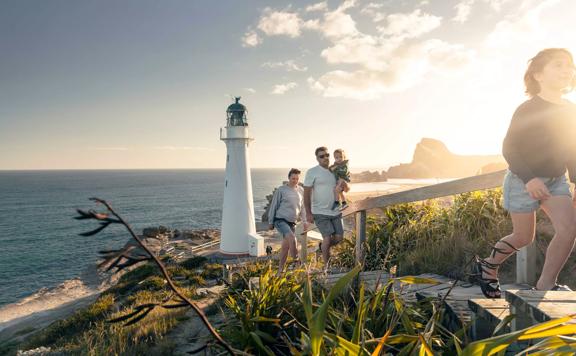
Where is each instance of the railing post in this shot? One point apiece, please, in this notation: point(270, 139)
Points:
point(303, 247)
point(526, 265)
point(360, 236)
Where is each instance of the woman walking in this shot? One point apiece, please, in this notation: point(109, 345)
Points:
point(285, 209)
point(539, 147)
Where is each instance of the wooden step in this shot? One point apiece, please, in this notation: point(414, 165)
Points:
point(488, 314)
point(457, 305)
point(533, 306)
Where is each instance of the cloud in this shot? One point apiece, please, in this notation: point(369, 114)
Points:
point(410, 25)
point(405, 67)
point(392, 59)
point(251, 39)
point(289, 65)
point(338, 24)
point(277, 23)
point(250, 90)
point(320, 6)
point(374, 11)
point(522, 28)
point(182, 148)
point(280, 89)
point(463, 10)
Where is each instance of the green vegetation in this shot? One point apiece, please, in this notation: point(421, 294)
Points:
point(291, 315)
point(295, 314)
point(88, 331)
point(441, 236)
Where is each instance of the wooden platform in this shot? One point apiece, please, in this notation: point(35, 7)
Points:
point(532, 306)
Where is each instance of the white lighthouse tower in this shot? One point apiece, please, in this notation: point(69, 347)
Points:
point(238, 234)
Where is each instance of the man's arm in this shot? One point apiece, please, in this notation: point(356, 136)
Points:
point(308, 204)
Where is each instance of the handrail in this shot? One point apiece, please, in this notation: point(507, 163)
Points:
point(458, 186)
point(205, 245)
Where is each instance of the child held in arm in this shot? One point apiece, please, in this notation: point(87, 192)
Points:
point(340, 171)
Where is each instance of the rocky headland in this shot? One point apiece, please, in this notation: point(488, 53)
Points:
point(432, 159)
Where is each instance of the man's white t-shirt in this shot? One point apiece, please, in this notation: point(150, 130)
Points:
point(322, 182)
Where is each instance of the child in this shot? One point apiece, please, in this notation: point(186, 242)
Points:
point(340, 171)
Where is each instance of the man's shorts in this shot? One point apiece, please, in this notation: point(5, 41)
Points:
point(329, 225)
point(517, 199)
point(284, 228)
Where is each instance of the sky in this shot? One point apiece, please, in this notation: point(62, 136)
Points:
point(139, 84)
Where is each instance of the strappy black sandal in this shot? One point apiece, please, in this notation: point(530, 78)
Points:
point(502, 251)
point(490, 286)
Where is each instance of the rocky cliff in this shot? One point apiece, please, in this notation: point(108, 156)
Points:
point(432, 159)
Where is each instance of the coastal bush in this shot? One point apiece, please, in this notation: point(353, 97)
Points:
point(212, 271)
point(359, 321)
point(435, 236)
point(154, 283)
point(261, 312)
point(241, 278)
point(293, 314)
point(193, 262)
point(139, 273)
point(196, 279)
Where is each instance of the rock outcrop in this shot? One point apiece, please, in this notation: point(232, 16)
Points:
point(368, 177)
point(432, 159)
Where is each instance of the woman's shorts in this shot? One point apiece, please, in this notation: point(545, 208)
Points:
point(517, 199)
point(284, 228)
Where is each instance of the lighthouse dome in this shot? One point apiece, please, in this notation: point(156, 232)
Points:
point(236, 114)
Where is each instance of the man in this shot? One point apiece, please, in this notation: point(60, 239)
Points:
point(318, 199)
point(285, 207)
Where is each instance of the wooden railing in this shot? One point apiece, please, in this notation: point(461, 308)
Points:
point(525, 258)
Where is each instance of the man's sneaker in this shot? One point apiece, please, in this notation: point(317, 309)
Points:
point(344, 205)
point(336, 205)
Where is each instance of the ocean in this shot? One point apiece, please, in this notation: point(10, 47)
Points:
point(39, 242)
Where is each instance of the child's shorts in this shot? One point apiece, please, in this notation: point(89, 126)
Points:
point(284, 227)
point(517, 199)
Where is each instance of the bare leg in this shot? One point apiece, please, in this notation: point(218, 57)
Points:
point(284, 253)
point(293, 249)
point(337, 190)
point(326, 249)
point(345, 186)
point(560, 211)
point(523, 229)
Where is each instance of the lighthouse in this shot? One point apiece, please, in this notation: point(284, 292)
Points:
point(238, 233)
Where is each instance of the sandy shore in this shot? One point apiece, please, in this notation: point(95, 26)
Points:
point(47, 305)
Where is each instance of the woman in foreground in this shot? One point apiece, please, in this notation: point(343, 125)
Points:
point(540, 147)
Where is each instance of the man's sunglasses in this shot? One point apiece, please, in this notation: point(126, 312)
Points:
point(326, 155)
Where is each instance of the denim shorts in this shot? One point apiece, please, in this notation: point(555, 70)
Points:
point(284, 228)
point(329, 225)
point(517, 199)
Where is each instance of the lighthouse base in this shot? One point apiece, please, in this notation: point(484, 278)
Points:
point(255, 245)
